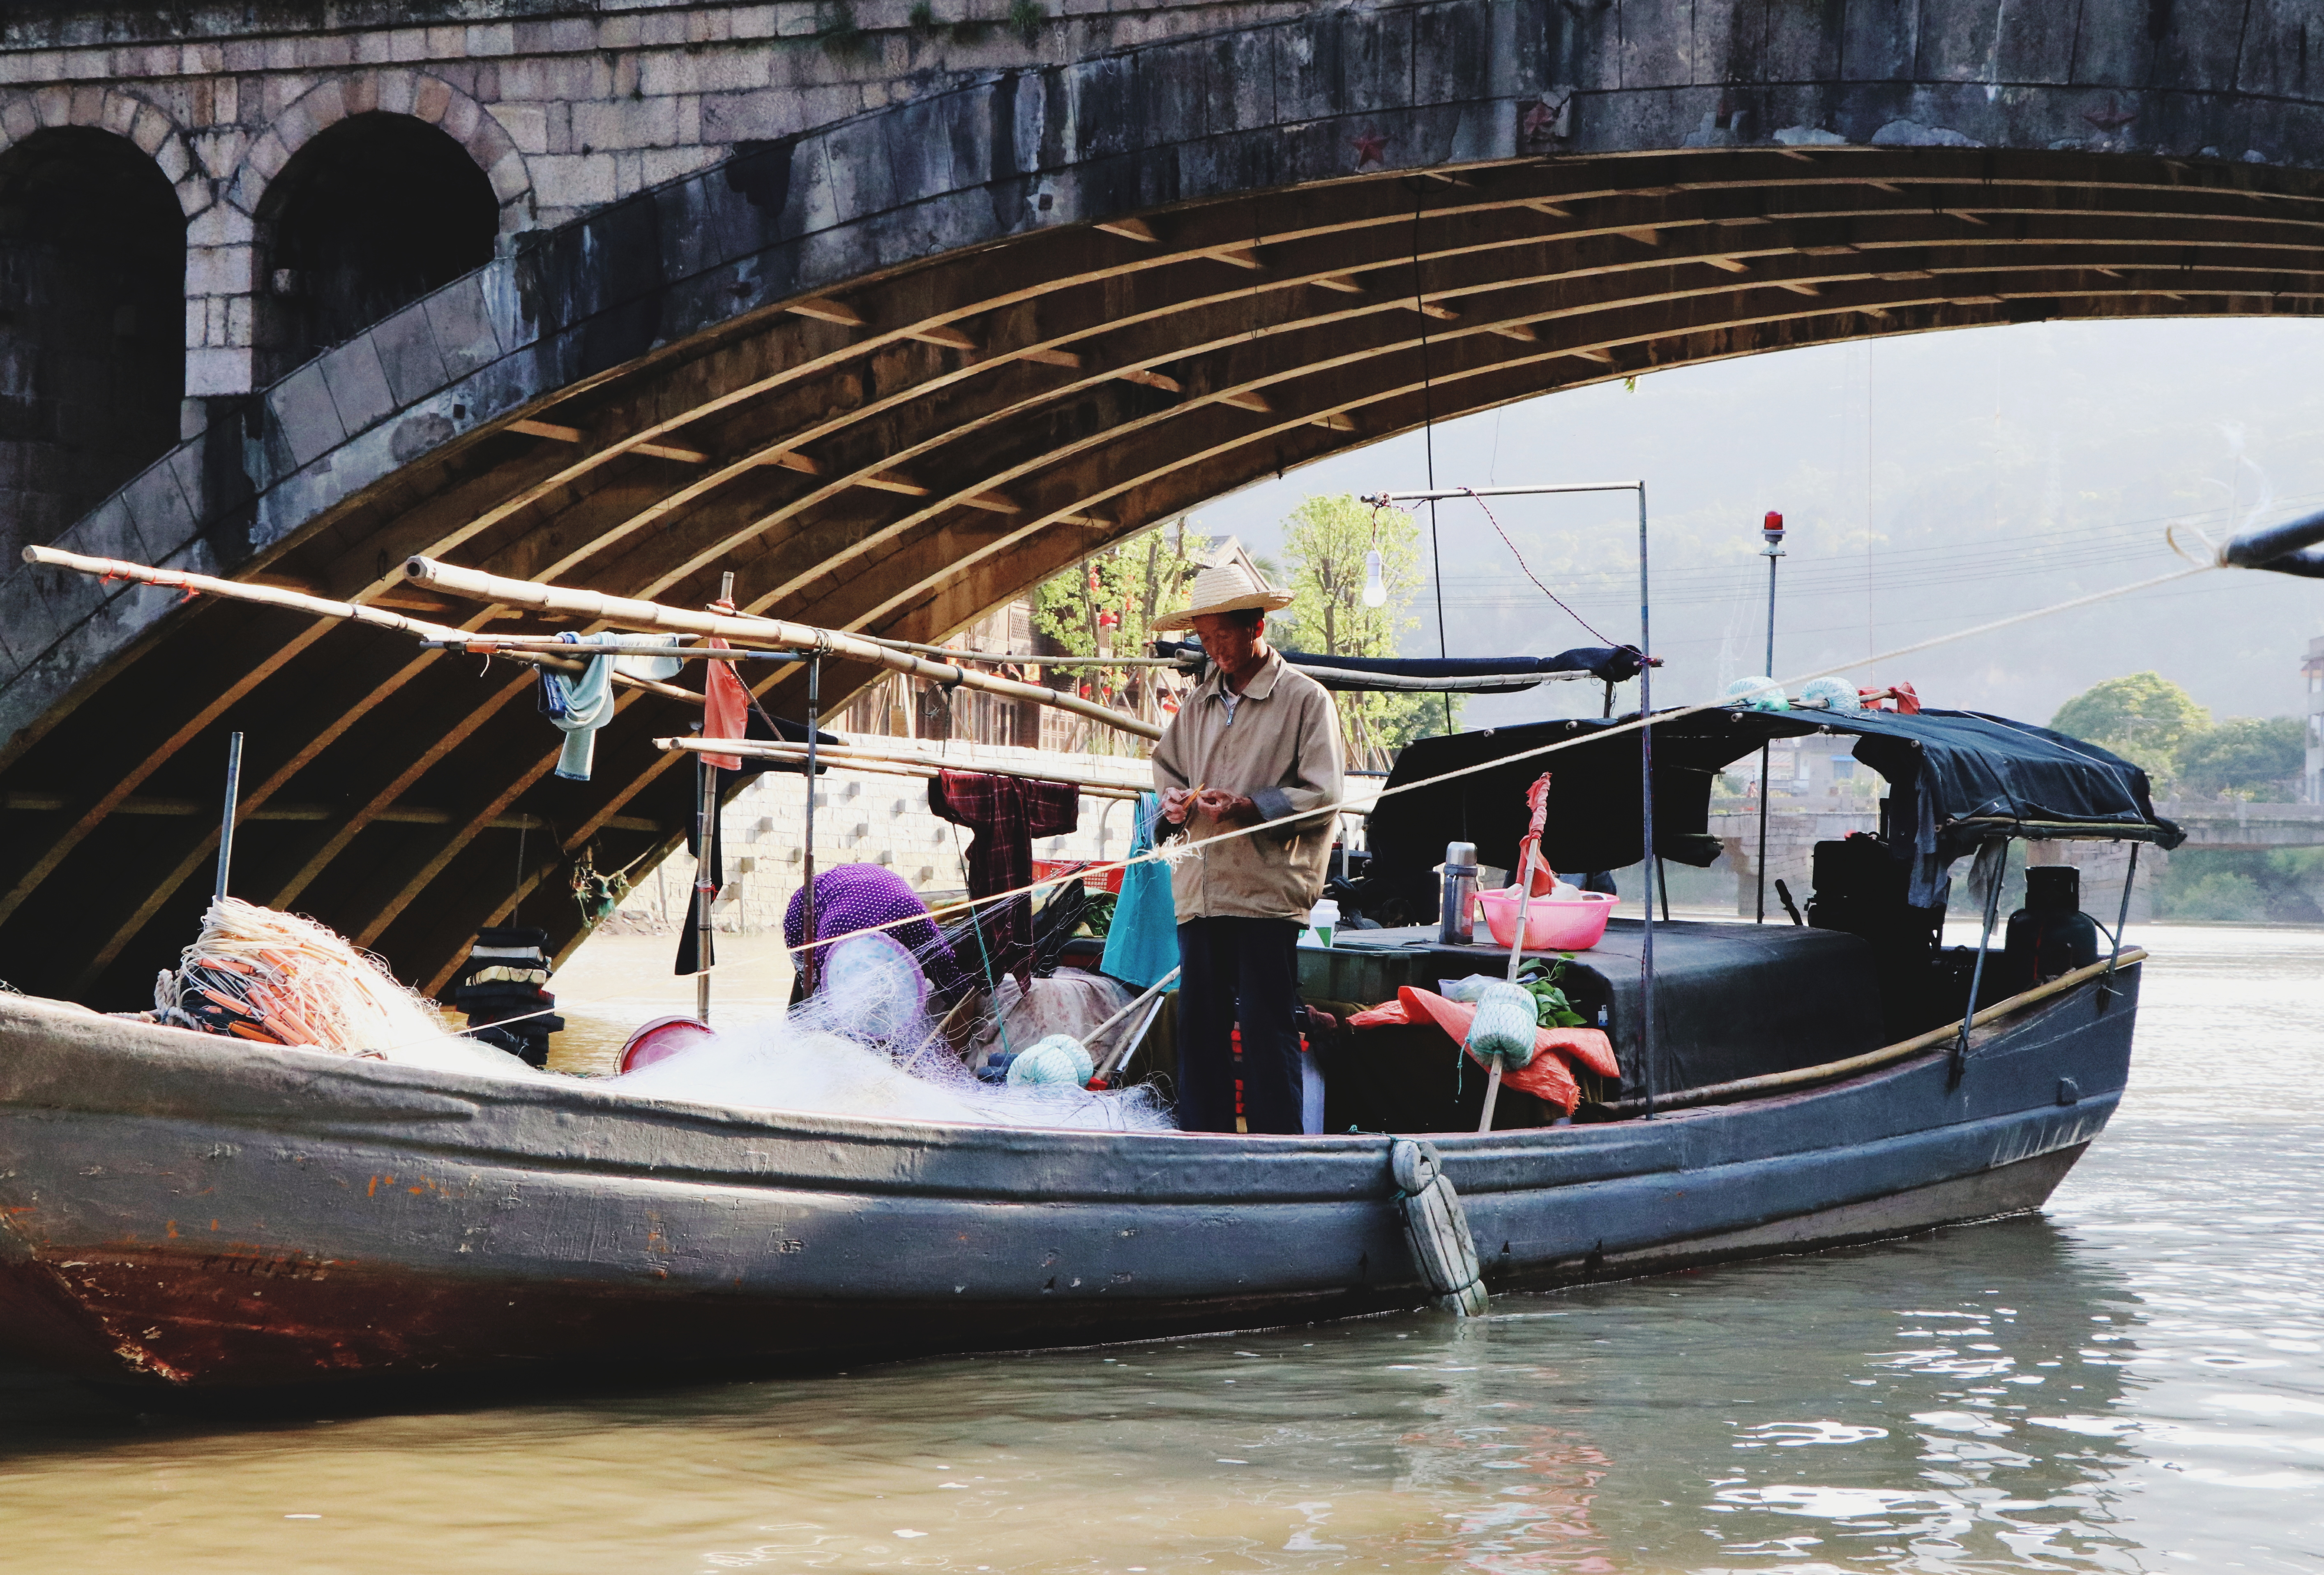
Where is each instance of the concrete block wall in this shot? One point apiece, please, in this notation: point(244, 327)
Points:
point(869, 818)
point(565, 107)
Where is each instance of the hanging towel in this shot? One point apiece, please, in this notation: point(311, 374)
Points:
point(1142, 944)
point(725, 707)
point(579, 706)
point(1007, 813)
point(660, 668)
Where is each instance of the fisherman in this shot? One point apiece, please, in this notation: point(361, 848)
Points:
point(1255, 745)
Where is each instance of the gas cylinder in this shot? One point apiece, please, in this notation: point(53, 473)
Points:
point(2050, 935)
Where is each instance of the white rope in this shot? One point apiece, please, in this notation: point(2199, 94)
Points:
point(1363, 804)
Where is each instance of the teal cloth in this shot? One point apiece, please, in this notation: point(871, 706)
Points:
point(581, 706)
point(1141, 945)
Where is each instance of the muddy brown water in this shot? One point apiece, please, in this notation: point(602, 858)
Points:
point(2132, 1380)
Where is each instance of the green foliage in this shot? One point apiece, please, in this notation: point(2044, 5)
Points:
point(922, 18)
point(1133, 581)
point(1324, 542)
point(2283, 887)
point(1026, 17)
point(2143, 717)
point(2244, 757)
point(2149, 721)
point(2218, 895)
point(1551, 1008)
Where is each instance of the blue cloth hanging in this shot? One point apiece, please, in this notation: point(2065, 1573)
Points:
point(1142, 944)
point(580, 706)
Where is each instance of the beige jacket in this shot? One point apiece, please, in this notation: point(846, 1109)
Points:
point(1282, 751)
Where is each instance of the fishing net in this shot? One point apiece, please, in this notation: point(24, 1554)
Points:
point(876, 1039)
point(276, 979)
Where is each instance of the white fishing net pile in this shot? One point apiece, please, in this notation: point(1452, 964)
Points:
point(870, 1041)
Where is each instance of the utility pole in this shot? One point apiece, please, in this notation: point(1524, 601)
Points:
point(1771, 532)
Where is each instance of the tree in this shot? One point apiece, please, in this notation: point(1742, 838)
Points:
point(1106, 604)
point(2244, 757)
point(2143, 717)
point(1324, 544)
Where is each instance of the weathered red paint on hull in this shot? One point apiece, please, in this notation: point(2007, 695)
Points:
point(197, 1319)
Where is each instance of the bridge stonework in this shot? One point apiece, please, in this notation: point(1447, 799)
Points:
point(894, 311)
point(565, 109)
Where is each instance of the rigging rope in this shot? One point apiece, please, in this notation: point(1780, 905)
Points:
point(1179, 850)
point(1529, 574)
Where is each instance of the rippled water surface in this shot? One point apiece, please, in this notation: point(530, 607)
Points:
point(2132, 1381)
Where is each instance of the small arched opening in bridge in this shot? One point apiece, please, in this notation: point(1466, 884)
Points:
point(368, 216)
point(92, 339)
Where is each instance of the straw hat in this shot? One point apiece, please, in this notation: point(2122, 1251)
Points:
point(1224, 587)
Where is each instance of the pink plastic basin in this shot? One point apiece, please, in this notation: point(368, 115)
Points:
point(1550, 925)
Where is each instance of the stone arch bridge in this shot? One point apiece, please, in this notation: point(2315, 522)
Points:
point(891, 312)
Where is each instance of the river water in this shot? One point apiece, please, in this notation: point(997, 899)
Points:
point(2133, 1380)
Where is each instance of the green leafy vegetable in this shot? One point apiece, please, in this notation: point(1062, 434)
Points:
point(1551, 1008)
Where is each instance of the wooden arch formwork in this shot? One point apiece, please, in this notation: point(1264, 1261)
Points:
point(893, 374)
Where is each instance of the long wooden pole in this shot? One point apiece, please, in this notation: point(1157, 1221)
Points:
point(629, 611)
point(1769, 1082)
point(274, 596)
point(845, 758)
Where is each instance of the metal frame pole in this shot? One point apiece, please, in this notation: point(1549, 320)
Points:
point(806, 856)
point(1645, 732)
point(706, 890)
point(1770, 671)
point(1647, 811)
point(1977, 974)
point(225, 821)
point(2121, 921)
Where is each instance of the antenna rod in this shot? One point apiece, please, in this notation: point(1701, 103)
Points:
point(1771, 530)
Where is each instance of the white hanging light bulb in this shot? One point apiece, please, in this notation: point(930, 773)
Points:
point(1375, 583)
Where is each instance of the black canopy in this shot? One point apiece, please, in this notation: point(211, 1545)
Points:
point(1956, 779)
point(1472, 674)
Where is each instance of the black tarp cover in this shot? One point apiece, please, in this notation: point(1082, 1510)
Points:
point(1607, 664)
point(1956, 779)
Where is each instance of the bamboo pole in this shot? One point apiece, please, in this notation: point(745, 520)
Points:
point(1741, 1087)
point(480, 586)
point(891, 762)
point(274, 596)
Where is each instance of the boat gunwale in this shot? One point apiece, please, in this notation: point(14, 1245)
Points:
point(1244, 1168)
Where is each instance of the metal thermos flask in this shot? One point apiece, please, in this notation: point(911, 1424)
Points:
point(1460, 924)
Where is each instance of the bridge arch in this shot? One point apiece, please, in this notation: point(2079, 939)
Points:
point(92, 355)
point(367, 216)
point(893, 370)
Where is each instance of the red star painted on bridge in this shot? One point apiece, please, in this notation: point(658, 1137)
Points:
point(1372, 148)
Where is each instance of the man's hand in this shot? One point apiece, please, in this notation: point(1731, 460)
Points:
point(1178, 803)
point(1227, 808)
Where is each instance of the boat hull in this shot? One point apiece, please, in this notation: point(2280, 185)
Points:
point(199, 1213)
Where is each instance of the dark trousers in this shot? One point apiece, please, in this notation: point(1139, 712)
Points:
point(1235, 971)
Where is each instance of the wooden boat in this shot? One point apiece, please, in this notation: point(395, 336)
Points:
point(197, 1211)
point(201, 1211)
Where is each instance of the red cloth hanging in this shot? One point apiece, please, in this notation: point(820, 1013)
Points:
point(725, 707)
